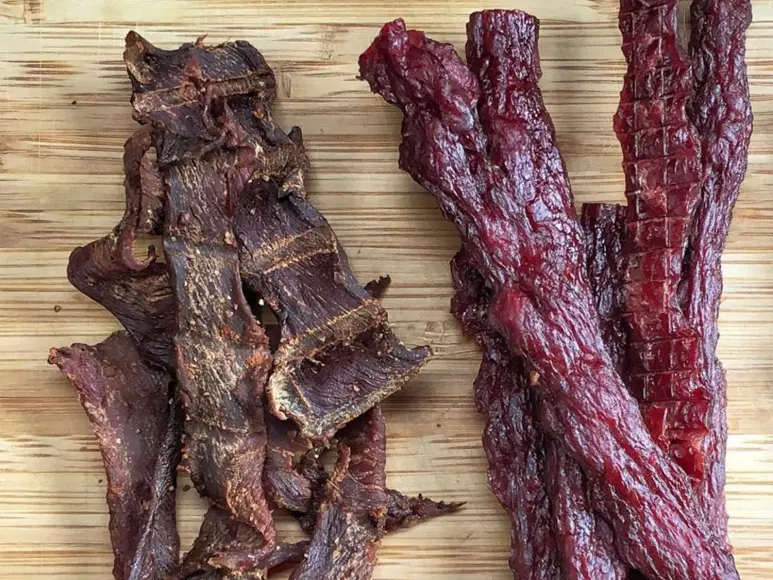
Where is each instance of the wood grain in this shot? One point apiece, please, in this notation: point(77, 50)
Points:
point(64, 115)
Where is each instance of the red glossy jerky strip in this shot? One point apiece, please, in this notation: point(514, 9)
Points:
point(138, 427)
point(226, 549)
point(350, 522)
point(604, 228)
point(662, 166)
point(722, 114)
point(513, 440)
point(338, 357)
point(206, 156)
point(523, 236)
point(136, 292)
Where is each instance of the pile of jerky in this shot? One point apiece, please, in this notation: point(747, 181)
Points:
point(195, 380)
point(606, 406)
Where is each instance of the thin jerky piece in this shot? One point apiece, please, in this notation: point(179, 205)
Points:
point(721, 112)
point(662, 166)
point(136, 292)
point(519, 224)
point(513, 440)
point(604, 228)
point(405, 512)
point(338, 356)
point(138, 427)
point(226, 549)
point(377, 288)
point(350, 522)
point(285, 483)
point(195, 98)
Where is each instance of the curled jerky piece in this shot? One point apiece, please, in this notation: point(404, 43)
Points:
point(350, 521)
point(404, 511)
point(506, 190)
point(198, 100)
point(136, 292)
point(338, 356)
point(138, 426)
point(226, 549)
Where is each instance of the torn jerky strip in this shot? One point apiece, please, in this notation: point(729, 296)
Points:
point(138, 427)
point(338, 356)
point(195, 98)
point(136, 292)
point(524, 238)
point(350, 521)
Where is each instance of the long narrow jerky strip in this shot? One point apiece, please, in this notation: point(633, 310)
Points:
point(136, 292)
point(661, 161)
point(513, 440)
point(195, 98)
point(338, 356)
point(350, 521)
point(138, 426)
point(721, 111)
point(523, 236)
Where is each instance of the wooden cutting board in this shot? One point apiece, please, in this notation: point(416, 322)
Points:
point(64, 115)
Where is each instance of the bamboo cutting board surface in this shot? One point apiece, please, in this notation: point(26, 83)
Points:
point(64, 115)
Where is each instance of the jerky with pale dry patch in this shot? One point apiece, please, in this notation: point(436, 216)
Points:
point(201, 102)
point(138, 426)
point(338, 357)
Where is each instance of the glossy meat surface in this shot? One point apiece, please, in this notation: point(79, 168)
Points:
point(521, 230)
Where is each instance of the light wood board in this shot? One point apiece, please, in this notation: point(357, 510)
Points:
point(64, 115)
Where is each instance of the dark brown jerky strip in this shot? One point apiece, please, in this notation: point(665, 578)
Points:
point(138, 427)
point(226, 549)
point(338, 356)
point(351, 520)
point(136, 292)
point(286, 485)
point(513, 440)
point(377, 288)
point(405, 512)
point(722, 114)
point(196, 97)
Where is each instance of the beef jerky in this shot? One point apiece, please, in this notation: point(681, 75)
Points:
point(138, 427)
point(196, 99)
point(604, 228)
point(377, 288)
point(661, 162)
point(227, 549)
point(513, 440)
point(721, 112)
point(507, 191)
point(136, 292)
point(286, 484)
point(351, 520)
point(554, 531)
point(338, 357)
point(404, 512)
